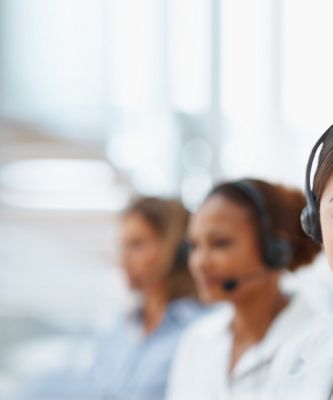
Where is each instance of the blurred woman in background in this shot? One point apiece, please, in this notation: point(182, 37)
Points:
point(241, 239)
point(135, 358)
point(132, 360)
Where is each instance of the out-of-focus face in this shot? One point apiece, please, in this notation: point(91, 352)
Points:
point(326, 220)
point(223, 245)
point(142, 252)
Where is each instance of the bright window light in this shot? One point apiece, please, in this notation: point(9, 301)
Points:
point(134, 32)
point(61, 184)
point(307, 64)
point(189, 53)
point(244, 58)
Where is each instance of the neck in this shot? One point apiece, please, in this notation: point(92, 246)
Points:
point(254, 316)
point(155, 300)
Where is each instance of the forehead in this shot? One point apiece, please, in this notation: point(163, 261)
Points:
point(136, 223)
point(219, 212)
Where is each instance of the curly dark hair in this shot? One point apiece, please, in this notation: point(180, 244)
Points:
point(284, 206)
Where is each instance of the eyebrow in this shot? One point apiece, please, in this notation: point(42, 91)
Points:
point(209, 234)
point(330, 200)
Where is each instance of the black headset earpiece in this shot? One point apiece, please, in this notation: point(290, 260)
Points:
point(310, 221)
point(310, 218)
point(277, 253)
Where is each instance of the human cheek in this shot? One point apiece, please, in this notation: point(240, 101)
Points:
point(223, 262)
point(201, 262)
point(139, 259)
point(327, 232)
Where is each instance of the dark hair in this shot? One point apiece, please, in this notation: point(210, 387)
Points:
point(169, 219)
point(284, 206)
point(324, 169)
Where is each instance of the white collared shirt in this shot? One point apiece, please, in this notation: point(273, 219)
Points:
point(303, 369)
point(201, 368)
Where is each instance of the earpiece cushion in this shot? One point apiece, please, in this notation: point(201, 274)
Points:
point(278, 253)
point(310, 222)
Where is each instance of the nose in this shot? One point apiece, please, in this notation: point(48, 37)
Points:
point(200, 260)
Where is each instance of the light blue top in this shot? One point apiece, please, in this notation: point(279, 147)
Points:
point(129, 364)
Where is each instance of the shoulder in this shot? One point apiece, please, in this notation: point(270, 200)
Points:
point(304, 351)
point(303, 366)
point(296, 321)
point(305, 330)
point(317, 345)
point(185, 311)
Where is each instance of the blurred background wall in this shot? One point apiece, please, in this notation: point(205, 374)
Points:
point(102, 99)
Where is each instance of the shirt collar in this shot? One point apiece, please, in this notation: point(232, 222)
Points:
point(179, 313)
point(291, 321)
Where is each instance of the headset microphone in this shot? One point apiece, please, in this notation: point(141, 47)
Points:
point(277, 253)
point(231, 284)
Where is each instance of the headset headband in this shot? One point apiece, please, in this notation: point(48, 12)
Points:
point(258, 200)
point(308, 190)
point(277, 253)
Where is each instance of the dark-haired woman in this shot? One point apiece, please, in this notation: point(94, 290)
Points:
point(304, 368)
point(241, 240)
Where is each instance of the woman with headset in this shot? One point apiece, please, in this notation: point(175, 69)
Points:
point(241, 239)
point(304, 368)
point(136, 357)
point(133, 359)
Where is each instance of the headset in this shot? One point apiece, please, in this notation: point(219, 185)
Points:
point(310, 219)
point(277, 253)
